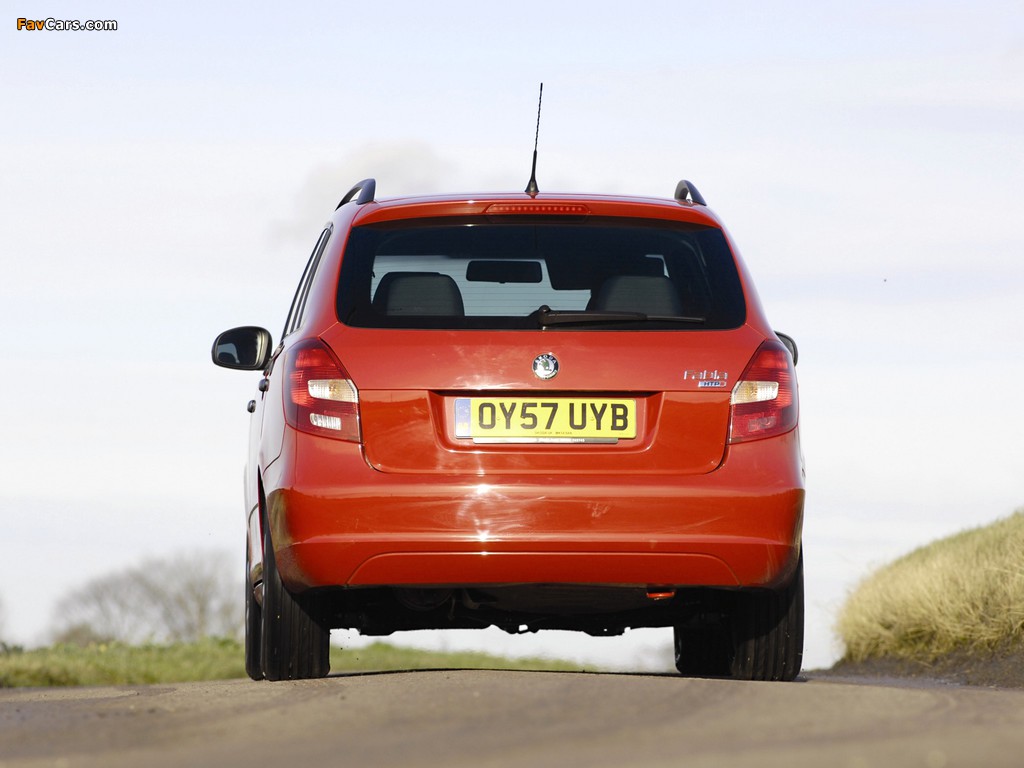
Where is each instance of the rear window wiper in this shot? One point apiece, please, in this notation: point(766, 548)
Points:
point(547, 317)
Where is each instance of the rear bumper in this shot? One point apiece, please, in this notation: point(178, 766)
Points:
point(337, 522)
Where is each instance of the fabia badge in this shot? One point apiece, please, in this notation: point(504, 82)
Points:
point(545, 366)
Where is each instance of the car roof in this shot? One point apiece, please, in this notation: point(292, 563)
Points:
point(518, 203)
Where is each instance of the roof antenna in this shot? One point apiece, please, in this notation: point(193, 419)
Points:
point(531, 188)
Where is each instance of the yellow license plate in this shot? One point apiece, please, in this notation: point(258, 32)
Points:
point(544, 420)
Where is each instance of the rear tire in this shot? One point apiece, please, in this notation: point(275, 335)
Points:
point(701, 650)
point(253, 625)
point(768, 631)
point(295, 642)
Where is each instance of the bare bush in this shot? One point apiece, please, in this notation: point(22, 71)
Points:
point(82, 635)
point(178, 599)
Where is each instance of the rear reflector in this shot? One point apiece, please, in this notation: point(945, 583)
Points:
point(764, 400)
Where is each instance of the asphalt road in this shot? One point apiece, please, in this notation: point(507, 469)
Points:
point(490, 718)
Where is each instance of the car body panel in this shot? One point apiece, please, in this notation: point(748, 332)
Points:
point(338, 521)
point(407, 408)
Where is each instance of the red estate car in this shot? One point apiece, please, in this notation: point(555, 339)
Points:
point(531, 411)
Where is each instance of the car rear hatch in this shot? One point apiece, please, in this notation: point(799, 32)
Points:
point(548, 344)
point(469, 402)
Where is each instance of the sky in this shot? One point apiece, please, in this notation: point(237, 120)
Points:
point(167, 180)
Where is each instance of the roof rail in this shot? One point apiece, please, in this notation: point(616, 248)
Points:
point(366, 190)
point(687, 193)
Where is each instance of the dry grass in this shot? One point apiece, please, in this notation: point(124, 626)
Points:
point(963, 593)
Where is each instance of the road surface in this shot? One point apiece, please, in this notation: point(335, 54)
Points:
point(475, 718)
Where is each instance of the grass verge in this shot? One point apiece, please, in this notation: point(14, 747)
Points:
point(214, 659)
point(962, 594)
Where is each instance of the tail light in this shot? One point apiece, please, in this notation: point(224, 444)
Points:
point(764, 400)
point(321, 398)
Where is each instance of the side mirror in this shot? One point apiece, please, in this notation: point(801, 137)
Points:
point(789, 344)
point(245, 349)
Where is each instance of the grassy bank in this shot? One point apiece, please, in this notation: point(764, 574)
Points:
point(214, 659)
point(963, 594)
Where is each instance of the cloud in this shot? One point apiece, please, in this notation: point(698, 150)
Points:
point(400, 168)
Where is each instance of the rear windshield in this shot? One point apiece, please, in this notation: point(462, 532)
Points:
point(517, 273)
